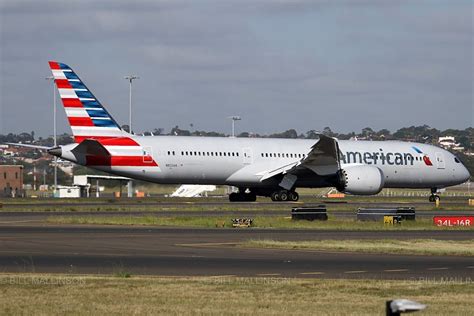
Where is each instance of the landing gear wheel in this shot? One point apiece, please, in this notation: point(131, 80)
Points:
point(294, 196)
point(434, 198)
point(242, 197)
point(275, 196)
point(284, 196)
point(233, 197)
point(250, 197)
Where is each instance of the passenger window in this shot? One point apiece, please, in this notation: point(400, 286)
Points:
point(457, 160)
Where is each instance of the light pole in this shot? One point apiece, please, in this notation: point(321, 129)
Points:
point(234, 118)
point(130, 78)
point(54, 132)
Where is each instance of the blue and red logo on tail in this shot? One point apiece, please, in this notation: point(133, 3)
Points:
point(90, 120)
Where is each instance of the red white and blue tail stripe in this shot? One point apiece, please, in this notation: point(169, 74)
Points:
point(87, 117)
point(90, 120)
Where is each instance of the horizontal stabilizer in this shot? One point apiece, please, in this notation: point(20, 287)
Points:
point(90, 147)
point(29, 146)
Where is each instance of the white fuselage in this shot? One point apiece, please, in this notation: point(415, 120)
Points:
point(242, 161)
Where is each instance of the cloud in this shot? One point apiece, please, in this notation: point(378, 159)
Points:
point(279, 64)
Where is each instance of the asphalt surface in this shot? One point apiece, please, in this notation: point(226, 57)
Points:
point(137, 203)
point(213, 252)
point(10, 217)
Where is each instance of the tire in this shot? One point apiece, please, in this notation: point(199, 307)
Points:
point(250, 197)
point(275, 196)
point(233, 197)
point(431, 198)
point(294, 196)
point(283, 195)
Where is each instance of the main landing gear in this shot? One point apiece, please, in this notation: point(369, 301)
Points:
point(242, 197)
point(434, 197)
point(284, 195)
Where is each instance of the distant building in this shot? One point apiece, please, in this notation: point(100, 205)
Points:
point(449, 142)
point(11, 181)
point(67, 192)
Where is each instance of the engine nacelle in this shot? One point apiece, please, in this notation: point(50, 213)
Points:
point(360, 180)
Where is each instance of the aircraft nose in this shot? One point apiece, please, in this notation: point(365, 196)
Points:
point(464, 174)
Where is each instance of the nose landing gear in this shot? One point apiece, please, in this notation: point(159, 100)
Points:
point(434, 197)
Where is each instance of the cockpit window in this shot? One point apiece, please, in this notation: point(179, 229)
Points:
point(457, 160)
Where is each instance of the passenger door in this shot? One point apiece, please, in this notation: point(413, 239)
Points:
point(247, 155)
point(147, 154)
point(440, 161)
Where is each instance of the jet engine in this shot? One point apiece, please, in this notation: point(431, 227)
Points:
point(360, 180)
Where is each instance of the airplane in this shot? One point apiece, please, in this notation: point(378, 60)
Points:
point(267, 167)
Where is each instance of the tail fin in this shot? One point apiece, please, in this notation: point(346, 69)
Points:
point(87, 117)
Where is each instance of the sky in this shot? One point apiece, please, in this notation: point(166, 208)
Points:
point(278, 64)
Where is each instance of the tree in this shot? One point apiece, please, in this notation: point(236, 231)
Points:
point(328, 132)
point(158, 131)
point(291, 133)
point(367, 132)
point(180, 132)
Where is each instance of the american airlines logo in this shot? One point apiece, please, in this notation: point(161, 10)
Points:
point(426, 159)
point(383, 158)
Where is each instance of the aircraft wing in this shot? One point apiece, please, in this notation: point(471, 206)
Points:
point(323, 159)
point(90, 147)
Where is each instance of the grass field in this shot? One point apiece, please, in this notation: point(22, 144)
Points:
point(41, 294)
point(259, 222)
point(390, 246)
point(158, 204)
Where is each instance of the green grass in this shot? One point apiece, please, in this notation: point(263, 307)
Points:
point(40, 294)
point(157, 204)
point(259, 222)
point(389, 246)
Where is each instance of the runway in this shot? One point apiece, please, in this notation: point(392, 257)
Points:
point(10, 217)
point(220, 202)
point(213, 252)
